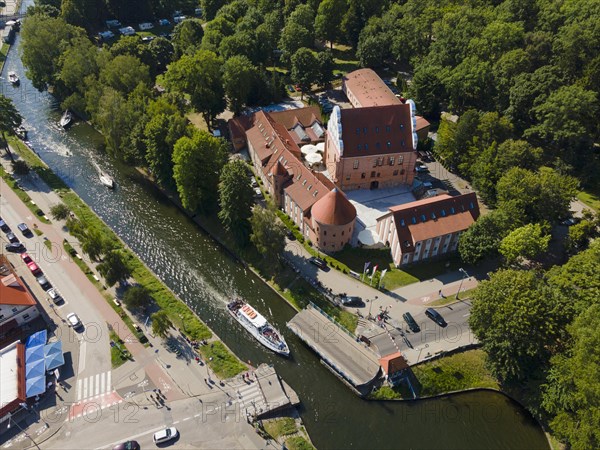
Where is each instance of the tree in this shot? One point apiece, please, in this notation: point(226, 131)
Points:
point(327, 21)
point(76, 62)
point(573, 383)
point(60, 211)
point(482, 239)
point(518, 320)
point(427, 89)
point(198, 161)
point(470, 84)
point(239, 78)
point(161, 323)
point(305, 68)
point(526, 242)
point(20, 167)
point(160, 135)
point(187, 37)
point(580, 235)
point(372, 49)
point(161, 51)
point(268, 233)
point(210, 8)
point(199, 75)
point(541, 195)
point(294, 37)
point(124, 73)
point(236, 199)
point(94, 243)
point(137, 297)
point(9, 120)
point(326, 66)
point(304, 16)
point(113, 268)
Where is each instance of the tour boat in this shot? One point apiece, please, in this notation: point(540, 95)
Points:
point(66, 119)
point(258, 326)
point(13, 78)
point(106, 180)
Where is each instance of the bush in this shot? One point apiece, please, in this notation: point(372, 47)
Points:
point(20, 167)
point(137, 297)
point(60, 211)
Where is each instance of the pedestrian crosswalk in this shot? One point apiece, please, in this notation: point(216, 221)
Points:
point(251, 398)
point(94, 386)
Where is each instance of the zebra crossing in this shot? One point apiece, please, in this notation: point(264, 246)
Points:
point(250, 397)
point(93, 394)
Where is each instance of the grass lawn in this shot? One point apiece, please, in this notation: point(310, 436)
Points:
point(223, 363)
point(118, 353)
point(465, 295)
point(591, 197)
point(345, 59)
point(298, 443)
point(4, 47)
point(280, 427)
point(464, 370)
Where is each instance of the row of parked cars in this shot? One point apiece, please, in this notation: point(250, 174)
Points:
point(16, 246)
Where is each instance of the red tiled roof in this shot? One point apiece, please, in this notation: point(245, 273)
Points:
point(393, 363)
point(374, 127)
point(369, 89)
point(439, 218)
point(334, 209)
point(290, 117)
point(12, 289)
point(422, 122)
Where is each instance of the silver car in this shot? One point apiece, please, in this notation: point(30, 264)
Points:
point(165, 435)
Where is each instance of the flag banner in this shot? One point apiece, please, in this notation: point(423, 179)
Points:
point(383, 272)
point(374, 270)
point(367, 264)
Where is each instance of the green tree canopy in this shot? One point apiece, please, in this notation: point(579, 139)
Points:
point(268, 233)
point(294, 37)
point(239, 78)
point(327, 20)
point(526, 242)
point(305, 68)
point(187, 37)
point(161, 324)
point(124, 73)
point(9, 120)
point(198, 161)
point(235, 200)
point(60, 211)
point(137, 297)
point(113, 267)
point(518, 319)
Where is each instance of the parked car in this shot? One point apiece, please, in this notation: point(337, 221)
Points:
point(318, 262)
point(257, 192)
point(26, 258)
point(352, 300)
point(34, 268)
point(290, 235)
point(164, 22)
point(11, 237)
point(148, 38)
point(14, 247)
point(129, 445)
point(74, 321)
point(570, 221)
point(435, 316)
point(54, 295)
point(44, 283)
point(253, 182)
point(411, 322)
point(165, 435)
point(23, 228)
point(3, 226)
point(421, 168)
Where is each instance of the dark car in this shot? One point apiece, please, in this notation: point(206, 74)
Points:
point(411, 322)
point(11, 237)
point(129, 445)
point(421, 169)
point(290, 235)
point(44, 283)
point(4, 226)
point(352, 301)
point(14, 247)
point(23, 228)
point(318, 262)
point(435, 316)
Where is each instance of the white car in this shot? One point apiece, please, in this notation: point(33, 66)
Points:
point(73, 320)
point(54, 295)
point(165, 435)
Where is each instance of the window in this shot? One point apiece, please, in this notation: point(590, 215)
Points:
point(356, 163)
point(433, 216)
point(418, 245)
point(376, 129)
point(373, 174)
point(324, 232)
point(334, 235)
point(402, 126)
point(375, 163)
point(414, 220)
point(396, 173)
point(435, 249)
point(452, 210)
point(366, 146)
point(347, 177)
point(342, 233)
point(443, 213)
point(389, 144)
point(392, 160)
point(363, 175)
point(377, 145)
point(388, 129)
point(378, 174)
point(26, 316)
point(400, 159)
point(401, 171)
point(358, 131)
point(1, 316)
point(402, 223)
point(380, 161)
point(423, 217)
point(15, 310)
point(402, 143)
point(471, 205)
point(358, 147)
point(365, 130)
point(324, 243)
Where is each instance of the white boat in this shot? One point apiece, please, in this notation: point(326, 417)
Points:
point(66, 119)
point(106, 180)
point(258, 326)
point(13, 78)
point(21, 133)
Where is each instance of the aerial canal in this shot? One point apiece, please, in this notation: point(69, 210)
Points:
point(205, 277)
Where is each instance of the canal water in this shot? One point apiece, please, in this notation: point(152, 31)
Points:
point(205, 277)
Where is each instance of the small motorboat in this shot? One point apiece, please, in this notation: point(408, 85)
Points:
point(107, 181)
point(14, 79)
point(66, 119)
point(21, 133)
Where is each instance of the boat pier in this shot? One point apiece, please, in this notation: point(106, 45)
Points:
point(339, 349)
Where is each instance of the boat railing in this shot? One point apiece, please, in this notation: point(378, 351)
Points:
point(339, 325)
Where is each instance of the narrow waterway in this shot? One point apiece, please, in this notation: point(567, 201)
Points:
point(205, 277)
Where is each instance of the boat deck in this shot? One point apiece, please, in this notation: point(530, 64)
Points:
point(349, 358)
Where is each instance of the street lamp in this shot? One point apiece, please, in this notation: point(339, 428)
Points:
point(22, 430)
point(465, 274)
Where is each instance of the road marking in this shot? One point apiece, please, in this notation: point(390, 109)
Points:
point(79, 389)
point(85, 387)
point(467, 315)
point(103, 384)
point(130, 438)
point(82, 348)
point(97, 391)
point(108, 381)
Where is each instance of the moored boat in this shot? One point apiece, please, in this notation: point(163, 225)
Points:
point(21, 133)
point(13, 78)
point(258, 326)
point(66, 119)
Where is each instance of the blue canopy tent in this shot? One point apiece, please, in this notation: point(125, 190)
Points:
point(35, 369)
point(53, 355)
point(34, 354)
point(35, 386)
point(36, 339)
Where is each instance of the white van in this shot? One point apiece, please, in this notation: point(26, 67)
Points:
point(127, 31)
point(146, 26)
point(178, 19)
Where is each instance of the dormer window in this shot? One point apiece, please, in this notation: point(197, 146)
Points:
point(423, 217)
point(365, 130)
point(401, 126)
point(304, 183)
point(309, 187)
point(443, 213)
point(471, 205)
point(414, 220)
point(452, 210)
point(358, 131)
point(376, 129)
point(358, 147)
point(389, 144)
point(402, 223)
point(433, 216)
